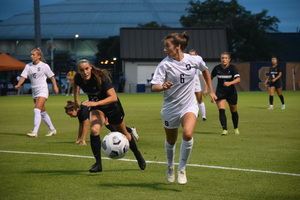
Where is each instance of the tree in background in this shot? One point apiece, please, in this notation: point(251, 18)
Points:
point(247, 33)
point(152, 24)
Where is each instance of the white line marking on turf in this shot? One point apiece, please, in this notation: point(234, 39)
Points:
point(156, 162)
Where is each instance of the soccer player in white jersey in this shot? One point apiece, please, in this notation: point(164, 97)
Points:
point(198, 89)
point(38, 72)
point(175, 77)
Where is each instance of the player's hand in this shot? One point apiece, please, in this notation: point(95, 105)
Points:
point(205, 93)
point(227, 84)
point(89, 103)
point(167, 85)
point(213, 97)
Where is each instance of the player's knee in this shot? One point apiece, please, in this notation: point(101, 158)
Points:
point(95, 130)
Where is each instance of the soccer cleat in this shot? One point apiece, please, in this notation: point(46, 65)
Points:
point(32, 134)
point(134, 133)
point(140, 159)
point(51, 132)
point(283, 106)
point(225, 132)
point(170, 174)
point(182, 176)
point(204, 119)
point(97, 167)
point(236, 131)
point(271, 107)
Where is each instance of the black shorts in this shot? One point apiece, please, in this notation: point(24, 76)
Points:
point(114, 112)
point(276, 84)
point(230, 97)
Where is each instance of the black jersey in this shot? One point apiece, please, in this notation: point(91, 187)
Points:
point(225, 75)
point(83, 113)
point(274, 72)
point(95, 93)
point(91, 88)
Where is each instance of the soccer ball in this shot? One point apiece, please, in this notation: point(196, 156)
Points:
point(115, 145)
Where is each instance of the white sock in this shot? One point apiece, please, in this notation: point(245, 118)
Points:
point(202, 109)
point(185, 152)
point(37, 120)
point(47, 120)
point(170, 153)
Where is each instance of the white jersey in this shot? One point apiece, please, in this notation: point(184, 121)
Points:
point(180, 96)
point(37, 74)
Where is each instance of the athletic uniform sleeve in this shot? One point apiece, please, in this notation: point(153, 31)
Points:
point(48, 71)
point(214, 72)
point(25, 71)
point(235, 72)
point(197, 62)
point(106, 84)
point(159, 74)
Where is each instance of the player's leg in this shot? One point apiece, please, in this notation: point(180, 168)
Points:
point(96, 120)
point(188, 122)
point(170, 145)
point(232, 102)
point(202, 107)
point(222, 116)
point(131, 130)
point(48, 121)
point(271, 97)
point(279, 93)
point(122, 128)
point(234, 117)
point(39, 105)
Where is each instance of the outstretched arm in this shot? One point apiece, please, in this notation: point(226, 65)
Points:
point(21, 81)
point(207, 78)
point(55, 88)
point(75, 92)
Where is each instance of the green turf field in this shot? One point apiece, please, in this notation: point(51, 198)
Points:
point(263, 162)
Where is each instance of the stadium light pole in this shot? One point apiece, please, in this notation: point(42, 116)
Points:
point(37, 23)
point(75, 44)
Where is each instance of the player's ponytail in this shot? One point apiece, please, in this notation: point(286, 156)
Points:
point(177, 39)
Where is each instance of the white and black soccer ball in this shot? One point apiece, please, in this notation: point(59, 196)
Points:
point(115, 145)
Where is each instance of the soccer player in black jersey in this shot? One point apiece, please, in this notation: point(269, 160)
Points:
point(274, 82)
point(104, 103)
point(83, 114)
point(228, 76)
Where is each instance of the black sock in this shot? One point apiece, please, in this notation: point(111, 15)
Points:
point(110, 127)
point(129, 130)
point(133, 146)
point(137, 154)
point(223, 119)
point(271, 100)
point(96, 147)
point(235, 119)
point(281, 99)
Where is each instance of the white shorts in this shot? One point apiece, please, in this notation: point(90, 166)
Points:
point(172, 119)
point(40, 92)
point(197, 84)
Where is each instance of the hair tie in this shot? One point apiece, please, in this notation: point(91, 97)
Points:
point(80, 60)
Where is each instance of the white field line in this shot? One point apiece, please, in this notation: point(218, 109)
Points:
point(156, 162)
